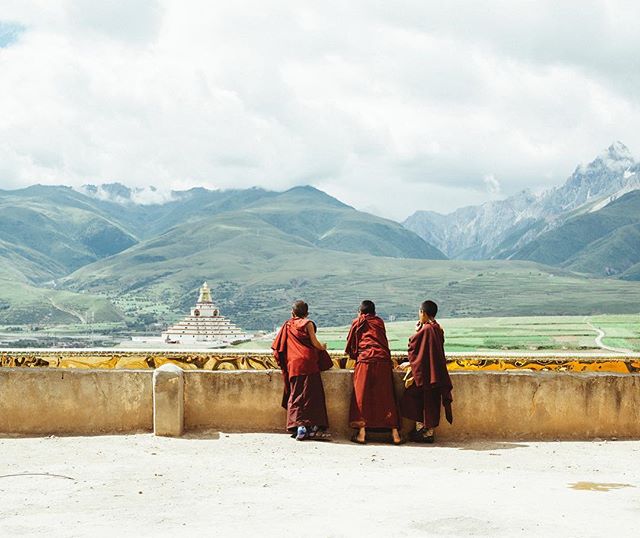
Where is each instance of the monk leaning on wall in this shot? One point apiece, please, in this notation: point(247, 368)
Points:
point(373, 402)
point(302, 357)
point(430, 388)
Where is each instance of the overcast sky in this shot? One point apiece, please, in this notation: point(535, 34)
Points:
point(391, 106)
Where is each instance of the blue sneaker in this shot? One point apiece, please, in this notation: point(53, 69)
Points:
point(302, 433)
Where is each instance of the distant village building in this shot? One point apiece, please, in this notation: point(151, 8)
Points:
point(205, 325)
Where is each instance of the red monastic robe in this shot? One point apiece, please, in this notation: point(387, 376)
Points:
point(373, 402)
point(303, 395)
point(432, 385)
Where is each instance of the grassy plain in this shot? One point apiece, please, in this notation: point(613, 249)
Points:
point(533, 333)
point(257, 294)
point(540, 333)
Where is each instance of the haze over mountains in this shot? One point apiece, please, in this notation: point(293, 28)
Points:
point(503, 229)
point(108, 252)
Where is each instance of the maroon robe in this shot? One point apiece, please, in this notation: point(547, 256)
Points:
point(303, 395)
point(373, 402)
point(432, 385)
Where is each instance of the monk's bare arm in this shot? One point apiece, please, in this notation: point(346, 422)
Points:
point(312, 336)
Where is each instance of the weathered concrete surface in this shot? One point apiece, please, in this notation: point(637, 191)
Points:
point(47, 401)
point(505, 406)
point(544, 405)
point(270, 485)
point(245, 401)
point(168, 400)
point(234, 401)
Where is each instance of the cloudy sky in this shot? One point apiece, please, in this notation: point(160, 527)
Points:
point(391, 106)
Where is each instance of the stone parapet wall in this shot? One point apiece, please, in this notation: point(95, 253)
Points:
point(508, 406)
point(37, 401)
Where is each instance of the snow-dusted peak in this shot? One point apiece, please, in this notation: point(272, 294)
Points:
point(618, 152)
point(617, 158)
point(121, 194)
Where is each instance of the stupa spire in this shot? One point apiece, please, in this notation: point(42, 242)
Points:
point(205, 294)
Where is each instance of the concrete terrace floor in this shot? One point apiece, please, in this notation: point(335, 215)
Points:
point(270, 485)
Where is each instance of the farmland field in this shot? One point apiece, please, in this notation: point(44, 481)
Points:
point(533, 333)
point(543, 333)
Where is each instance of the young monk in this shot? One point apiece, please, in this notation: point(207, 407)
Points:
point(431, 386)
point(373, 403)
point(300, 356)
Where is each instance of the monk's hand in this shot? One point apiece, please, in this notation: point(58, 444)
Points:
point(404, 365)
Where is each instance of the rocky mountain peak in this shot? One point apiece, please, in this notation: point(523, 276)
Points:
point(618, 152)
point(607, 174)
point(616, 158)
point(497, 226)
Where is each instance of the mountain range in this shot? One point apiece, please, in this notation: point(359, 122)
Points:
point(69, 252)
point(530, 227)
point(49, 231)
point(113, 254)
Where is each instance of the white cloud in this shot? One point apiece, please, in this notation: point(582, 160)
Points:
point(492, 184)
point(362, 98)
point(124, 195)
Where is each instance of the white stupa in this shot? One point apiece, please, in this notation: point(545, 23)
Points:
point(204, 325)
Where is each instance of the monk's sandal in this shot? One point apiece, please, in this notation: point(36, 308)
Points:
point(423, 435)
point(316, 434)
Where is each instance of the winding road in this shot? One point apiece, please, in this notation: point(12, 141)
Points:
point(73, 313)
point(600, 344)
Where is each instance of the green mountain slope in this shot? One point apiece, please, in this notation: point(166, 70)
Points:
point(47, 232)
point(149, 220)
point(51, 232)
point(302, 223)
point(604, 242)
point(257, 290)
point(259, 250)
point(24, 265)
point(302, 211)
point(257, 268)
point(22, 303)
point(71, 229)
point(633, 273)
point(613, 254)
point(328, 223)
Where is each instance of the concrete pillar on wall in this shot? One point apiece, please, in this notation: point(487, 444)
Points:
point(168, 400)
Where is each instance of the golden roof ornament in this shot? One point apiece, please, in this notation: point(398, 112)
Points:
point(205, 294)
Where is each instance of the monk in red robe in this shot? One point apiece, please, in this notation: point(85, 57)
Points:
point(301, 357)
point(373, 402)
point(431, 388)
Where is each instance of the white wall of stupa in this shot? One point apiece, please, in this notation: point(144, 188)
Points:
point(205, 324)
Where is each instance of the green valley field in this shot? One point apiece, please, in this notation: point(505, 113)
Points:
point(258, 294)
point(544, 333)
